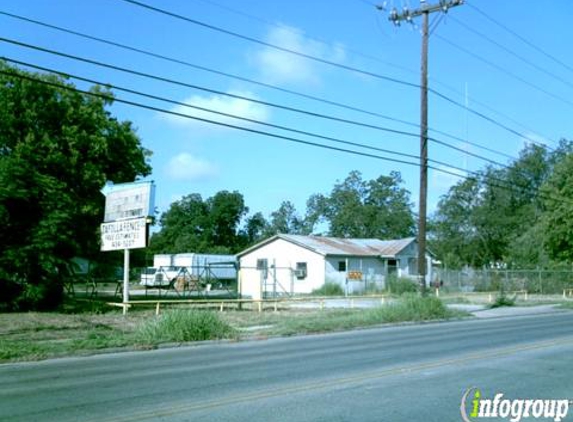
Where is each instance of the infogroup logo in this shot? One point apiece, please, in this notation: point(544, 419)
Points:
point(475, 407)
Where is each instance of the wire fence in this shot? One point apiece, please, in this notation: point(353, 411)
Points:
point(533, 281)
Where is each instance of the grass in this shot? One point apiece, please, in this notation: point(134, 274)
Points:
point(408, 308)
point(183, 325)
point(328, 289)
point(503, 300)
point(93, 328)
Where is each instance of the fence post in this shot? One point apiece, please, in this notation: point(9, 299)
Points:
point(540, 283)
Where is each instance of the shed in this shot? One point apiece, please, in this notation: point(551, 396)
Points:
point(294, 264)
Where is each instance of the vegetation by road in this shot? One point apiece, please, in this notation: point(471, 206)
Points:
point(33, 336)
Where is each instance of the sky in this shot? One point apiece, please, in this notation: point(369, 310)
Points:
point(504, 60)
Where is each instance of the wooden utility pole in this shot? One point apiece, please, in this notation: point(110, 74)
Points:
point(408, 15)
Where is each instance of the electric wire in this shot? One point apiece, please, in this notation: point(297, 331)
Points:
point(213, 111)
point(245, 98)
point(258, 83)
point(511, 52)
point(270, 45)
point(314, 58)
point(520, 37)
point(504, 71)
point(504, 184)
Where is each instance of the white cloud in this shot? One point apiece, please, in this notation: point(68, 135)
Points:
point(281, 67)
point(223, 104)
point(187, 167)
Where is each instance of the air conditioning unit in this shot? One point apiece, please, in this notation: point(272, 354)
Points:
point(300, 273)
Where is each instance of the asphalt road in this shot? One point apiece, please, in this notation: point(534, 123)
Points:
point(405, 373)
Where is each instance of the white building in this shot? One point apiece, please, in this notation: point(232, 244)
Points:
point(299, 264)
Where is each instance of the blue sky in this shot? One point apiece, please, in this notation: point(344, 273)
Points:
point(532, 93)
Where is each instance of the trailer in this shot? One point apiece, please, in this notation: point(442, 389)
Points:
point(191, 271)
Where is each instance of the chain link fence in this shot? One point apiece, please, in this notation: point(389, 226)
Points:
point(545, 282)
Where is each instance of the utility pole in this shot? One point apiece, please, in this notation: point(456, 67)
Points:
point(408, 15)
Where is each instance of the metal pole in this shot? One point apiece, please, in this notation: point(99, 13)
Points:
point(125, 279)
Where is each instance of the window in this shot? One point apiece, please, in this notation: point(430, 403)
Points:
point(342, 266)
point(392, 266)
point(301, 270)
point(262, 264)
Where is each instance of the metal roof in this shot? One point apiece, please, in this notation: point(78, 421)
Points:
point(342, 247)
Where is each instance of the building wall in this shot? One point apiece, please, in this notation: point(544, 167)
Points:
point(282, 258)
point(408, 265)
point(373, 271)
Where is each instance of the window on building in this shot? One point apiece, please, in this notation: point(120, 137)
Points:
point(262, 264)
point(301, 270)
point(342, 266)
point(392, 266)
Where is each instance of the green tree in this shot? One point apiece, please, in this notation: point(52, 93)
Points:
point(256, 229)
point(378, 208)
point(194, 225)
point(58, 147)
point(286, 220)
point(496, 216)
point(557, 216)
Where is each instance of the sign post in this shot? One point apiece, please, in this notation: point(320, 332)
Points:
point(127, 208)
point(125, 279)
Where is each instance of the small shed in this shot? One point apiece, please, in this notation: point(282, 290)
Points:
point(292, 264)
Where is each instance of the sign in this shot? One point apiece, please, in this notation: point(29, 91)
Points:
point(126, 234)
point(355, 275)
point(129, 200)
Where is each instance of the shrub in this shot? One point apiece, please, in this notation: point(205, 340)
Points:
point(503, 300)
point(399, 286)
point(183, 326)
point(414, 308)
point(329, 289)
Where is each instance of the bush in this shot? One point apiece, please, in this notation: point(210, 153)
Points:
point(183, 326)
point(328, 289)
point(400, 286)
point(503, 300)
point(414, 308)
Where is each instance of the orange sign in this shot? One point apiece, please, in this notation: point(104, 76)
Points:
point(355, 275)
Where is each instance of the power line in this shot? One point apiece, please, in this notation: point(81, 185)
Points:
point(220, 113)
point(106, 97)
point(213, 122)
point(505, 71)
point(270, 45)
point(511, 52)
point(296, 32)
point(233, 116)
point(310, 57)
point(205, 89)
point(521, 38)
point(241, 97)
point(266, 85)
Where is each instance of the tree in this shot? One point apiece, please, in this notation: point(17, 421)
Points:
point(286, 220)
point(194, 225)
point(58, 148)
point(495, 217)
point(557, 217)
point(256, 229)
point(378, 208)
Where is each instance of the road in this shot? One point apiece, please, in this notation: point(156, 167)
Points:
point(401, 373)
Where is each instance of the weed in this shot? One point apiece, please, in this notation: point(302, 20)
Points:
point(328, 289)
point(182, 326)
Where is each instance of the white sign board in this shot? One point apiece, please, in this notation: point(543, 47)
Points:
point(129, 200)
point(126, 234)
